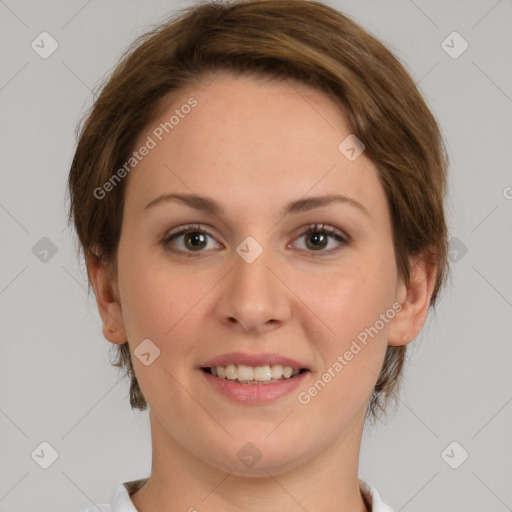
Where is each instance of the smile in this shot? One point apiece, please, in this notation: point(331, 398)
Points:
point(253, 375)
point(244, 388)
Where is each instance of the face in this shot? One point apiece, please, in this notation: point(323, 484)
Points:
point(247, 283)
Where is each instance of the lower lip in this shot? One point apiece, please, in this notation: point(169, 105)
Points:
point(256, 393)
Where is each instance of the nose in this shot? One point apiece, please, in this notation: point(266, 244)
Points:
point(254, 297)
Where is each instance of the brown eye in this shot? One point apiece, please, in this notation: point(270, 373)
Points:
point(187, 241)
point(317, 238)
point(195, 240)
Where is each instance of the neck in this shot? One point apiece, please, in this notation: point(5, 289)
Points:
point(181, 481)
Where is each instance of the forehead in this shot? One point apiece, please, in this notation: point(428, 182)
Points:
point(251, 142)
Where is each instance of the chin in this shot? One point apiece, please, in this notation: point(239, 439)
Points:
point(257, 459)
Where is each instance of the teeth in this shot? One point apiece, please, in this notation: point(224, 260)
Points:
point(287, 372)
point(276, 371)
point(262, 373)
point(245, 372)
point(250, 374)
point(230, 372)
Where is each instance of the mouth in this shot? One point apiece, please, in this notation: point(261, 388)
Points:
point(254, 375)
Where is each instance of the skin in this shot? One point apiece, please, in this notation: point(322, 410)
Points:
point(253, 145)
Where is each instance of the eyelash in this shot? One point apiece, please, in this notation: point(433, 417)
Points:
point(313, 228)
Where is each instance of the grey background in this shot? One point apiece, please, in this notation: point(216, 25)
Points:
point(56, 384)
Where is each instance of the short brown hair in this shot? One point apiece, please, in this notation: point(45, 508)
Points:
point(296, 39)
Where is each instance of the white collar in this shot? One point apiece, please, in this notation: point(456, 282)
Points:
point(374, 497)
point(123, 503)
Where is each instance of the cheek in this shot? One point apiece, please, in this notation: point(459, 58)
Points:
point(165, 304)
point(159, 305)
point(352, 297)
point(348, 306)
point(148, 296)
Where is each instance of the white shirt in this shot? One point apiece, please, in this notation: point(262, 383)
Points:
point(123, 503)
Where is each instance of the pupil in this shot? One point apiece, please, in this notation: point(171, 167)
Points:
point(196, 237)
point(318, 238)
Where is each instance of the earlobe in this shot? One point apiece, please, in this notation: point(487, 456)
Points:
point(415, 301)
point(109, 307)
point(114, 335)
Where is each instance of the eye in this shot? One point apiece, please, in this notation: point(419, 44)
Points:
point(195, 239)
point(317, 239)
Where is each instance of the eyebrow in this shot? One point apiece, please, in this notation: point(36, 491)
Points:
point(208, 205)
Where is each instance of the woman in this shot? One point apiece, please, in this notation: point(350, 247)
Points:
point(259, 195)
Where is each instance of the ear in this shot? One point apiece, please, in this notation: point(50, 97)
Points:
point(109, 307)
point(415, 300)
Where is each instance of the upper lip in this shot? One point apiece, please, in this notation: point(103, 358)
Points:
point(248, 359)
